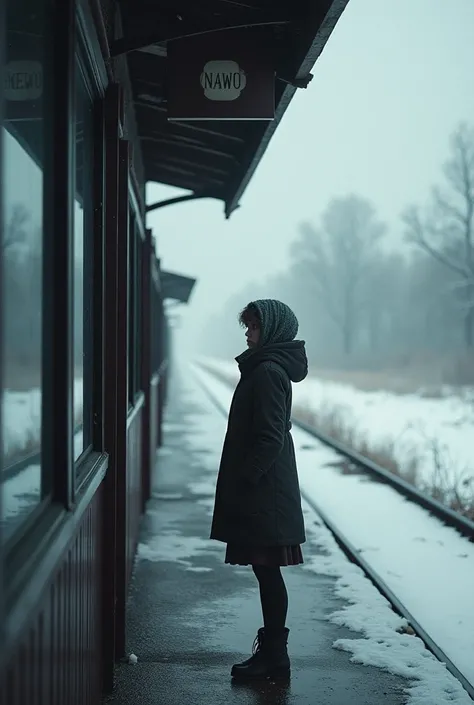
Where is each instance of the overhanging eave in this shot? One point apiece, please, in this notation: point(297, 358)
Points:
point(176, 286)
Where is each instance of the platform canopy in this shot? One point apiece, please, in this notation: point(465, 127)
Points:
point(216, 158)
point(176, 286)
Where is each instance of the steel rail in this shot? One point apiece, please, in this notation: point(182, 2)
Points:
point(464, 525)
point(351, 551)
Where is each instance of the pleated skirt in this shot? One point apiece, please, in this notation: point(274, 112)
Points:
point(241, 554)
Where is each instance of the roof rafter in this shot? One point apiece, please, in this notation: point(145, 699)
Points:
point(217, 158)
point(182, 30)
point(175, 144)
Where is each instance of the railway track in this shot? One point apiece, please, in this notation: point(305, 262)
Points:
point(446, 515)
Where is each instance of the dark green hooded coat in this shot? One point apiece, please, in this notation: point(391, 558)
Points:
point(258, 498)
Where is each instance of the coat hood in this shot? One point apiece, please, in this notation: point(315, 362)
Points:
point(279, 327)
point(290, 355)
point(278, 322)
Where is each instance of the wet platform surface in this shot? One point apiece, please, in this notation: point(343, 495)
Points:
point(191, 616)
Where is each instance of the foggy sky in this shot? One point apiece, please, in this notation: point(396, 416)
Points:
point(393, 82)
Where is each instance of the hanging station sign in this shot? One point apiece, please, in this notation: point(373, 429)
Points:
point(23, 79)
point(226, 75)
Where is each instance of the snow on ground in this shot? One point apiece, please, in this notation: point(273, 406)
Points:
point(21, 417)
point(22, 435)
point(429, 566)
point(171, 546)
point(21, 414)
point(438, 432)
point(22, 493)
point(366, 611)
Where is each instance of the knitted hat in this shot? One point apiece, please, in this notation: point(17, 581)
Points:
point(278, 322)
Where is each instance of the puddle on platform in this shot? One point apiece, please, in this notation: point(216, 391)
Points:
point(168, 496)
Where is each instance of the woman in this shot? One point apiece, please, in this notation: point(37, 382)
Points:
point(257, 509)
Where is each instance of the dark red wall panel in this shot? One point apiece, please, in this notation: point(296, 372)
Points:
point(58, 659)
point(154, 419)
point(134, 486)
point(161, 404)
point(146, 364)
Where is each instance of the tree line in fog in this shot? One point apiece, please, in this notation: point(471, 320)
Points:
point(22, 251)
point(360, 304)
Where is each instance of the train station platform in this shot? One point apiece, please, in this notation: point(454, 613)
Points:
point(191, 616)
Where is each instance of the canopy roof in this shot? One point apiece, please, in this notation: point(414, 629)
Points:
point(176, 286)
point(217, 158)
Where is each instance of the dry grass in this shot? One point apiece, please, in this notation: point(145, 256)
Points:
point(368, 380)
point(330, 422)
point(21, 378)
point(31, 446)
point(458, 496)
point(426, 376)
point(455, 492)
point(24, 378)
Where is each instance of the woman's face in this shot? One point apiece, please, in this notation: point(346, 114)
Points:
point(253, 331)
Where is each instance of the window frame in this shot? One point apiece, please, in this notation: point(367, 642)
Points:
point(131, 305)
point(71, 25)
point(137, 383)
point(52, 215)
point(156, 332)
point(2, 573)
point(80, 65)
point(136, 233)
point(89, 54)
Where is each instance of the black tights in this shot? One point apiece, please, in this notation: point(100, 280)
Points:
point(273, 596)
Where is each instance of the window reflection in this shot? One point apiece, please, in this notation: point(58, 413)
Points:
point(82, 267)
point(22, 261)
point(131, 308)
point(138, 311)
point(135, 310)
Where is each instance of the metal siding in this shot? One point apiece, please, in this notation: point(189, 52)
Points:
point(121, 399)
point(134, 488)
point(112, 117)
point(146, 365)
point(160, 407)
point(58, 658)
point(154, 419)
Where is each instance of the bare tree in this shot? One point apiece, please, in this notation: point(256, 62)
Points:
point(381, 299)
point(446, 232)
point(335, 259)
point(15, 232)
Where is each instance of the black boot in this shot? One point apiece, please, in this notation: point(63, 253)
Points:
point(269, 660)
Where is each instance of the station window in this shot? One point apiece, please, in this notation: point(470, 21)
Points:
point(134, 310)
point(25, 119)
point(154, 327)
point(131, 308)
point(156, 332)
point(83, 254)
point(138, 310)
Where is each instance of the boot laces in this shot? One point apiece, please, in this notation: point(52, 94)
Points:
point(257, 644)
